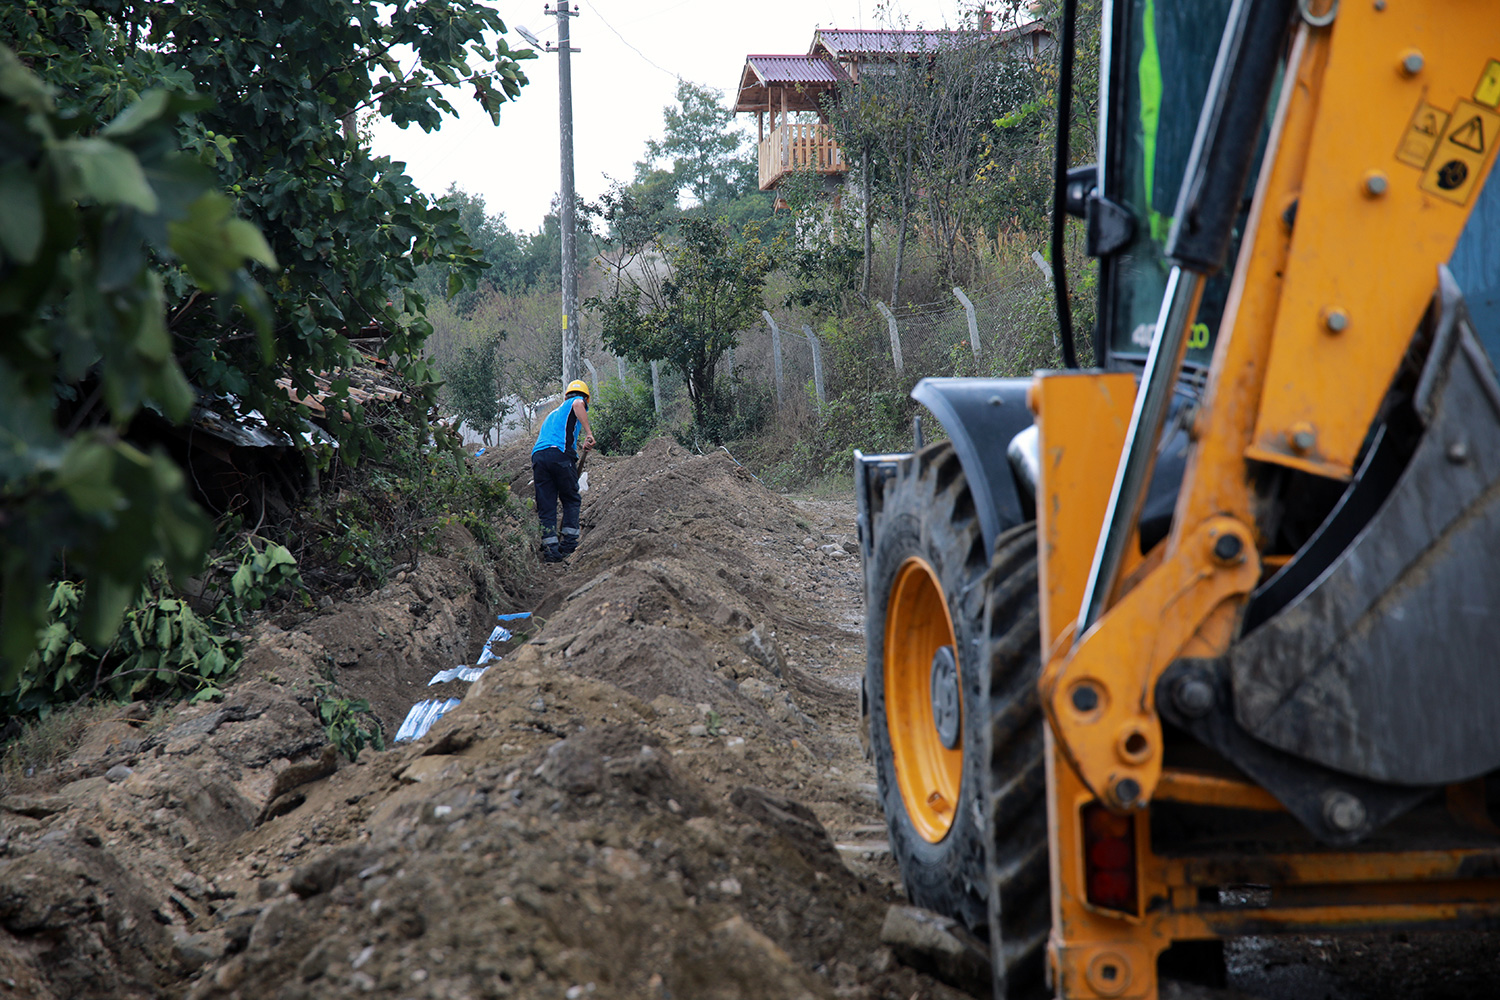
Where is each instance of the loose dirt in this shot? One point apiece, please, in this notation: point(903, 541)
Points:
point(658, 790)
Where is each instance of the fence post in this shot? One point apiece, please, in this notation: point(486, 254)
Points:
point(890, 319)
point(973, 323)
point(620, 367)
point(656, 387)
point(775, 353)
point(812, 341)
point(1041, 262)
point(593, 372)
point(1046, 268)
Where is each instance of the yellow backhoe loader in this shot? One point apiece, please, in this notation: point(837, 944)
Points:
point(1203, 643)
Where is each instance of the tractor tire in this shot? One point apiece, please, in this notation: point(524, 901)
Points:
point(923, 683)
point(1017, 875)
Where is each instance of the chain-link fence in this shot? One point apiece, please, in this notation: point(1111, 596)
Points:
point(833, 382)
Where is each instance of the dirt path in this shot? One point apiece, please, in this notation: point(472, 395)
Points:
point(660, 793)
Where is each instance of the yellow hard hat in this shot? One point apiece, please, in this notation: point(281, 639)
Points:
point(578, 385)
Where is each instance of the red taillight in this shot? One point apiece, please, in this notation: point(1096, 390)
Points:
point(1109, 858)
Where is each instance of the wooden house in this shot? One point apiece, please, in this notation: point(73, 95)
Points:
point(778, 87)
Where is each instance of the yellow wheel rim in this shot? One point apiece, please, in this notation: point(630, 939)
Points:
point(917, 626)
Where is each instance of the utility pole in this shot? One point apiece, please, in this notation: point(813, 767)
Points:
point(571, 352)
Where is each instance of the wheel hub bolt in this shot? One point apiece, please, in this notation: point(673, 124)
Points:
point(947, 715)
point(1343, 811)
point(1227, 548)
point(1194, 697)
point(1085, 697)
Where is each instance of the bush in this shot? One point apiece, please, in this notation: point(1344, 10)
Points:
point(163, 646)
point(182, 642)
point(349, 723)
point(741, 410)
point(623, 415)
point(371, 518)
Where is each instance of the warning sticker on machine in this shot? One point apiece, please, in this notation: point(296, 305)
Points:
point(1458, 157)
point(1421, 136)
point(1488, 90)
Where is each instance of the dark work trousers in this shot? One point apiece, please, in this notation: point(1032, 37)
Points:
point(556, 479)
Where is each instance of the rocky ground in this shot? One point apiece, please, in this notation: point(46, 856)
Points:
point(657, 791)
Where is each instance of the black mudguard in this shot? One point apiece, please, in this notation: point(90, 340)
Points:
point(981, 417)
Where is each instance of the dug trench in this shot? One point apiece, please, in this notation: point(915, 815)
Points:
point(657, 790)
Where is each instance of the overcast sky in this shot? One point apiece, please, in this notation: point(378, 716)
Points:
point(633, 51)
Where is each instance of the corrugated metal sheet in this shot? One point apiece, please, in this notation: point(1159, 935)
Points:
point(845, 42)
point(795, 69)
point(855, 41)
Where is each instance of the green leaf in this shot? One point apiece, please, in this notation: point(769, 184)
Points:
point(278, 555)
point(244, 239)
point(100, 171)
point(87, 477)
point(21, 85)
point(103, 606)
point(150, 108)
point(212, 245)
point(21, 227)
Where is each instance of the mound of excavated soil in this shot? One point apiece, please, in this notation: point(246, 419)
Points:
point(636, 802)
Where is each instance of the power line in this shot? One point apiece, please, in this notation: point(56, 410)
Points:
point(664, 10)
point(675, 76)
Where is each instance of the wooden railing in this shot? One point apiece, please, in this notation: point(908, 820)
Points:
point(796, 146)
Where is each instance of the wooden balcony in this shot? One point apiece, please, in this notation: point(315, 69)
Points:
point(798, 146)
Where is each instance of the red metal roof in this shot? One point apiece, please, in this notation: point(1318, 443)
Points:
point(795, 69)
point(860, 41)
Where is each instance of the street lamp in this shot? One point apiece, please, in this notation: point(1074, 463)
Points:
point(571, 353)
point(530, 39)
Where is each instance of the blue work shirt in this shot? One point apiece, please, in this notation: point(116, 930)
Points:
point(559, 430)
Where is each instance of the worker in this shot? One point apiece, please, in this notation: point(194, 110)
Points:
point(554, 467)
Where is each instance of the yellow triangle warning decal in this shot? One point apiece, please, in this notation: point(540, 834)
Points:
point(1469, 135)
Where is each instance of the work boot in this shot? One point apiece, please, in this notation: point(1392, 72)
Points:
point(569, 541)
point(550, 551)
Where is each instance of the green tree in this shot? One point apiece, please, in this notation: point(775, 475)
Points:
point(967, 88)
point(949, 137)
point(1015, 177)
point(289, 81)
point(89, 216)
point(704, 145)
point(102, 228)
point(708, 156)
point(686, 300)
point(517, 261)
point(474, 386)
